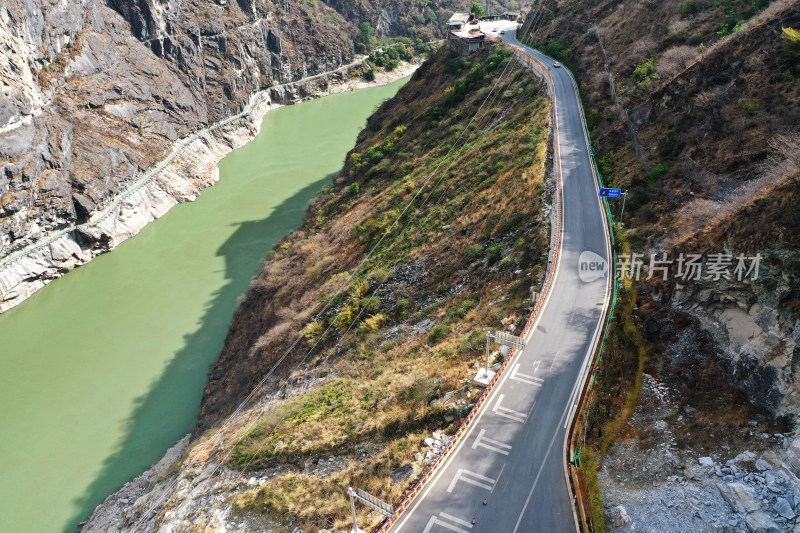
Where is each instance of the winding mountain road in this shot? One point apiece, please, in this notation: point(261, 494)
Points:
point(513, 453)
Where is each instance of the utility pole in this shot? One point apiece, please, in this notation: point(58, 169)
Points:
point(488, 347)
point(624, 197)
point(353, 508)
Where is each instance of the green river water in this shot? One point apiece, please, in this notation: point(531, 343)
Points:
point(104, 369)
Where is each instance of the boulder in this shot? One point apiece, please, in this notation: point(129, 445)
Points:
point(744, 456)
point(706, 461)
point(402, 473)
point(740, 497)
point(620, 516)
point(762, 465)
point(773, 482)
point(761, 523)
point(784, 508)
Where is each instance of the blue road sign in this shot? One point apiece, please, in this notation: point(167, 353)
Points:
point(610, 193)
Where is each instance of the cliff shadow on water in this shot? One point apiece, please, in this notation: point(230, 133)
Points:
point(179, 388)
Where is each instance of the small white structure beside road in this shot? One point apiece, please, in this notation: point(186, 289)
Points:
point(467, 34)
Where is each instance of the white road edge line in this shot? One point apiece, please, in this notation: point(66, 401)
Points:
point(438, 475)
point(572, 404)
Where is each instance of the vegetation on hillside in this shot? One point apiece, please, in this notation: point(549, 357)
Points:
point(693, 107)
point(446, 186)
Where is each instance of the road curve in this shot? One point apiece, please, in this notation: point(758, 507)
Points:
point(512, 454)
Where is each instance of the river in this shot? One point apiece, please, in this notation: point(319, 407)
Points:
point(104, 369)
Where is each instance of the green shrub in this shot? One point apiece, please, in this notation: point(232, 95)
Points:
point(371, 304)
point(374, 323)
point(380, 275)
point(644, 72)
point(791, 47)
point(455, 64)
point(366, 34)
point(438, 334)
point(749, 107)
point(554, 49)
point(346, 317)
point(370, 75)
point(689, 8)
point(402, 306)
point(313, 330)
point(657, 171)
point(473, 344)
point(359, 289)
point(353, 189)
point(478, 10)
point(422, 391)
point(474, 250)
point(493, 252)
point(695, 40)
point(590, 469)
point(457, 313)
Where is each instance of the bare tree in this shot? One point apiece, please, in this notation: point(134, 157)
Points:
point(714, 97)
point(785, 157)
point(678, 25)
point(675, 60)
point(641, 50)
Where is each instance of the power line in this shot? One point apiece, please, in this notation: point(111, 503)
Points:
point(254, 391)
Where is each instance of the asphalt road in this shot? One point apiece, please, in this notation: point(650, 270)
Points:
point(513, 453)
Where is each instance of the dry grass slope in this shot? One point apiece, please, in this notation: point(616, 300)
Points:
point(391, 356)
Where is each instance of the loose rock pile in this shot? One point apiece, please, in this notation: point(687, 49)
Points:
point(651, 484)
point(435, 446)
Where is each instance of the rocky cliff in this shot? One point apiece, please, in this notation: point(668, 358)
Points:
point(95, 95)
point(694, 110)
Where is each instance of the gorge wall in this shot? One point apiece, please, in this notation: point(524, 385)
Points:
point(694, 108)
point(96, 94)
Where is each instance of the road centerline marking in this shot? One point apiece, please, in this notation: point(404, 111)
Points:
point(498, 477)
point(554, 358)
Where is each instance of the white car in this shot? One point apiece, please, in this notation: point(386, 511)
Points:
point(556, 64)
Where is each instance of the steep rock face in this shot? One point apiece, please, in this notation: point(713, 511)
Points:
point(102, 94)
point(697, 120)
point(694, 108)
point(95, 94)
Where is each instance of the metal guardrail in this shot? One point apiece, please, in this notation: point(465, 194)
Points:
point(572, 451)
point(550, 276)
